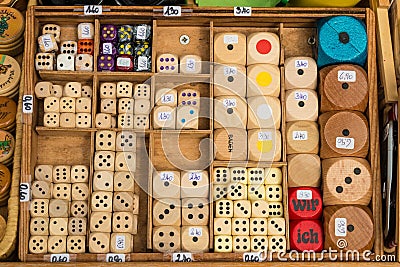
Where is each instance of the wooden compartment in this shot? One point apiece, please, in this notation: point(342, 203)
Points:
point(173, 149)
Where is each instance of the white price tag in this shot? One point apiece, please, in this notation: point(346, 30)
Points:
point(344, 143)
point(301, 64)
point(301, 96)
point(92, 10)
point(123, 62)
point(195, 176)
point(300, 135)
point(112, 257)
point(172, 11)
point(190, 65)
point(143, 63)
point(164, 116)
point(264, 136)
point(59, 257)
point(168, 98)
point(182, 257)
point(304, 194)
point(86, 32)
point(340, 227)
point(120, 242)
point(47, 43)
point(229, 102)
point(24, 192)
point(252, 257)
point(167, 176)
point(231, 39)
point(230, 71)
point(107, 48)
point(242, 11)
point(141, 32)
point(347, 76)
point(195, 231)
point(27, 101)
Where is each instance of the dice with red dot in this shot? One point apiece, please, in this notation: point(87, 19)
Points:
point(305, 203)
point(306, 235)
point(263, 47)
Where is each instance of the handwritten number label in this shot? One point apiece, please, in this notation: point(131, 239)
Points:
point(301, 96)
point(24, 192)
point(252, 257)
point(340, 227)
point(168, 98)
point(300, 135)
point(123, 62)
point(344, 143)
point(167, 176)
point(264, 136)
point(141, 32)
point(107, 48)
point(347, 76)
point(142, 63)
point(182, 257)
point(195, 231)
point(92, 10)
point(120, 242)
point(47, 43)
point(230, 71)
point(301, 64)
point(231, 39)
point(86, 32)
point(59, 258)
point(229, 103)
point(111, 257)
point(195, 176)
point(164, 116)
point(190, 65)
point(172, 11)
point(304, 194)
point(27, 101)
point(242, 11)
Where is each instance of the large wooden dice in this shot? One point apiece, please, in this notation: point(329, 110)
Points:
point(230, 79)
point(230, 47)
point(300, 73)
point(195, 184)
point(344, 133)
point(265, 145)
point(346, 180)
point(305, 203)
point(301, 105)
point(166, 239)
point(195, 238)
point(343, 87)
point(167, 211)
point(230, 144)
point(195, 211)
point(230, 111)
point(263, 79)
point(348, 228)
point(306, 235)
point(304, 170)
point(264, 112)
point(166, 184)
point(302, 137)
point(263, 47)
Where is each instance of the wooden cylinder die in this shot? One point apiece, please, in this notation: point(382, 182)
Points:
point(300, 73)
point(302, 137)
point(263, 79)
point(230, 80)
point(301, 105)
point(230, 111)
point(343, 87)
point(304, 170)
point(346, 180)
point(230, 47)
point(230, 144)
point(344, 134)
point(348, 228)
point(264, 112)
point(265, 145)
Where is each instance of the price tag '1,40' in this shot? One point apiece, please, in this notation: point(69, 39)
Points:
point(92, 10)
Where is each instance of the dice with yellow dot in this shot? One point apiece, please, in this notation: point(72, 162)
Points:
point(264, 145)
point(273, 176)
point(263, 79)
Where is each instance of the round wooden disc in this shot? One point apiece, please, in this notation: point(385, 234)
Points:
point(10, 74)
point(356, 232)
point(346, 180)
point(5, 179)
point(301, 105)
point(304, 170)
point(13, 25)
point(8, 111)
point(3, 226)
point(344, 124)
point(7, 145)
point(343, 95)
point(300, 73)
point(302, 137)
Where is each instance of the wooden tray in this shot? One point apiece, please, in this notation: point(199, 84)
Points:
point(42, 145)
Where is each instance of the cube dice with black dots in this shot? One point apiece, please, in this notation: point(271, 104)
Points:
point(248, 209)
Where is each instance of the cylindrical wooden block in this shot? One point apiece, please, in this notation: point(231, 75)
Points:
point(230, 144)
point(343, 87)
point(265, 145)
point(301, 105)
point(348, 228)
point(230, 47)
point(300, 73)
point(195, 238)
point(302, 137)
point(263, 79)
point(264, 112)
point(304, 170)
point(230, 79)
point(230, 111)
point(344, 133)
point(263, 47)
point(346, 181)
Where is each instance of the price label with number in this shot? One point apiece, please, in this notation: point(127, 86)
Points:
point(195, 176)
point(340, 226)
point(166, 176)
point(92, 10)
point(195, 231)
point(141, 32)
point(301, 96)
point(190, 65)
point(230, 71)
point(264, 136)
point(304, 194)
point(27, 101)
point(168, 98)
point(142, 63)
point(172, 11)
point(344, 142)
point(182, 257)
point(347, 76)
point(242, 11)
point(47, 42)
point(252, 257)
point(229, 102)
point(164, 116)
point(300, 135)
point(111, 257)
point(231, 39)
point(120, 242)
point(59, 257)
point(301, 64)
point(107, 48)
point(24, 192)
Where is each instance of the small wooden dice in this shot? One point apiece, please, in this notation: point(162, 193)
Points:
point(166, 239)
point(305, 203)
point(195, 238)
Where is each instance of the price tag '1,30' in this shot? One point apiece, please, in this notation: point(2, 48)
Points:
point(172, 11)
